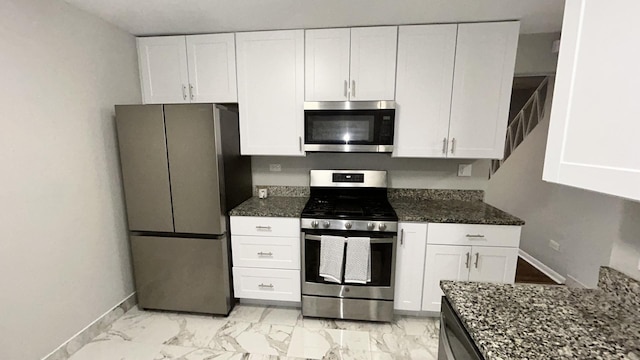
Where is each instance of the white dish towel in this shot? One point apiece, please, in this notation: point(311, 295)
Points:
point(357, 268)
point(331, 257)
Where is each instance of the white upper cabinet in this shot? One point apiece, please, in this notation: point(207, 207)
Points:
point(409, 266)
point(373, 63)
point(212, 68)
point(356, 64)
point(183, 69)
point(163, 69)
point(270, 68)
point(593, 131)
point(484, 67)
point(423, 89)
point(327, 64)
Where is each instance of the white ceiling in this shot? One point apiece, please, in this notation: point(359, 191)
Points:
point(162, 17)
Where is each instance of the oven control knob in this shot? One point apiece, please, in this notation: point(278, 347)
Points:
point(314, 224)
point(347, 225)
point(382, 227)
point(371, 226)
point(326, 224)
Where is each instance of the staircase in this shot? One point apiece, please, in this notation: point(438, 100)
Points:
point(523, 122)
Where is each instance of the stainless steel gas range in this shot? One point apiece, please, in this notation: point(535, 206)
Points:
point(349, 204)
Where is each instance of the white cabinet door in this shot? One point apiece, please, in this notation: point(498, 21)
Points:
point(212, 68)
point(443, 262)
point(493, 264)
point(163, 69)
point(270, 68)
point(373, 63)
point(593, 131)
point(326, 64)
point(423, 89)
point(409, 266)
point(484, 66)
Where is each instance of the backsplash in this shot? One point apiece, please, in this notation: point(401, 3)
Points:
point(278, 190)
point(402, 172)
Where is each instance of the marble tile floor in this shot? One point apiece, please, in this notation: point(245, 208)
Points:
point(258, 332)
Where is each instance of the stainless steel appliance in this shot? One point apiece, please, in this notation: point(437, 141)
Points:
point(182, 170)
point(349, 126)
point(455, 342)
point(349, 203)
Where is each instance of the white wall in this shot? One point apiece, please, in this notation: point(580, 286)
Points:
point(403, 173)
point(64, 255)
point(585, 224)
point(534, 56)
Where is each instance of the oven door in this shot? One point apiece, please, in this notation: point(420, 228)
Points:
point(369, 130)
point(383, 257)
point(455, 343)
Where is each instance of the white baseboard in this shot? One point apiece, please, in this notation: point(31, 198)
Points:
point(90, 331)
point(555, 276)
point(575, 283)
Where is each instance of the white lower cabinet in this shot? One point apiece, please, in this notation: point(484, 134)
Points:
point(266, 258)
point(443, 262)
point(266, 284)
point(409, 264)
point(429, 253)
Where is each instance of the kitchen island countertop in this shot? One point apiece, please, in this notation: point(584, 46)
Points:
point(551, 322)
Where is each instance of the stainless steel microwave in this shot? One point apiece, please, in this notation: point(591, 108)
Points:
point(349, 126)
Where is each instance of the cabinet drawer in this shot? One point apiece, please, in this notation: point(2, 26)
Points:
point(265, 226)
point(266, 252)
point(473, 235)
point(266, 284)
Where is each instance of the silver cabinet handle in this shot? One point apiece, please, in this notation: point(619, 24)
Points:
point(270, 286)
point(353, 88)
point(300, 143)
point(184, 92)
point(477, 258)
point(453, 145)
point(468, 259)
point(191, 91)
point(265, 253)
point(346, 89)
point(444, 145)
point(475, 236)
point(259, 227)
point(401, 236)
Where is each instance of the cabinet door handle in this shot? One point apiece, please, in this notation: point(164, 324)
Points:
point(300, 143)
point(444, 145)
point(468, 259)
point(184, 92)
point(453, 145)
point(475, 236)
point(266, 228)
point(477, 258)
point(265, 253)
point(346, 89)
point(353, 88)
point(401, 236)
point(191, 91)
point(270, 286)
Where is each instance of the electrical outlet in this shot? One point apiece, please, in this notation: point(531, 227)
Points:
point(275, 167)
point(464, 170)
point(554, 245)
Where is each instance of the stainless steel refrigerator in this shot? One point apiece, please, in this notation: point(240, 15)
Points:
point(182, 171)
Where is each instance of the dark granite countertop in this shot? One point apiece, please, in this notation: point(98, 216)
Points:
point(273, 206)
point(451, 211)
point(551, 322)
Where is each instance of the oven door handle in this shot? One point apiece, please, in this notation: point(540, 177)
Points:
point(444, 341)
point(373, 240)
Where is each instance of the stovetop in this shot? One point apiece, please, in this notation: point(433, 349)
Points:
point(352, 204)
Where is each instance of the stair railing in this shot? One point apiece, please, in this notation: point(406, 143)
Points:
point(524, 122)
